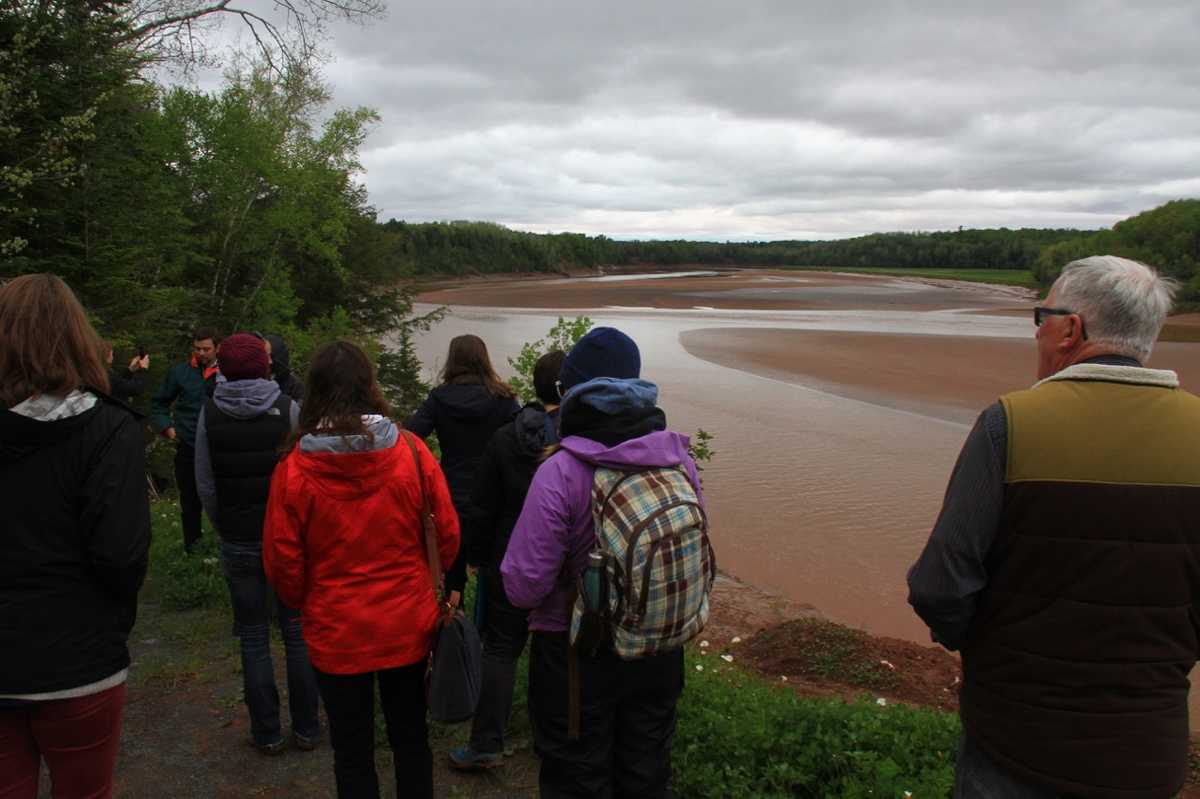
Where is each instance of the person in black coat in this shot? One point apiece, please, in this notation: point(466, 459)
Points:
point(281, 368)
point(75, 545)
point(471, 403)
point(501, 482)
point(128, 382)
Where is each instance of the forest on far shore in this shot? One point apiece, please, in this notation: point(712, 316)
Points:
point(1167, 237)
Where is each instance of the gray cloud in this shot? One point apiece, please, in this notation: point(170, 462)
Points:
point(776, 119)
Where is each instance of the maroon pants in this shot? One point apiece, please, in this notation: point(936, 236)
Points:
point(78, 739)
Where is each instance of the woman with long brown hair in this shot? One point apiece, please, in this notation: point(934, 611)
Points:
point(470, 404)
point(74, 550)
point(344, 543)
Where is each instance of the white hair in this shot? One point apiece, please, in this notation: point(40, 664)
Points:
point(1123, 303)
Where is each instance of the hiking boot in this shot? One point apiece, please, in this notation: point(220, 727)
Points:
point(276, 748)
point(304, 743)
point(467, 759)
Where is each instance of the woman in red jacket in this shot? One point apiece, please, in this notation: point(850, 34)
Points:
point(343, 541)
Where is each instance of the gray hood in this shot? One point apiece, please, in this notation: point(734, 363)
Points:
point(383, 435)
point(245, 399)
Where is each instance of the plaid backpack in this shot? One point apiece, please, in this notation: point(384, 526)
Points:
point(655, 564)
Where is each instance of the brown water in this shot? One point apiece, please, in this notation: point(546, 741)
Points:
point(820, 490)
point(815, 496)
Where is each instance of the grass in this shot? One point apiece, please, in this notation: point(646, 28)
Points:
point(739, 736)
point(1005, 277)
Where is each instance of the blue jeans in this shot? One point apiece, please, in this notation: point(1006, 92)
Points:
point(977, 776)
point(504, 638)
point(252, 600)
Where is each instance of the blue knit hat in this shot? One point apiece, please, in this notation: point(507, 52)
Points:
point(603, 352)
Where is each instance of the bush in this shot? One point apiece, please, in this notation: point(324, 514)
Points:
point(181, 581)
point(739, 736)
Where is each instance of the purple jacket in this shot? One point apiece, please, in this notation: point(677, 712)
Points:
point(555, 526)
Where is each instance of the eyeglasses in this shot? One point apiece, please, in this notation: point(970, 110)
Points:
point(1039, 312)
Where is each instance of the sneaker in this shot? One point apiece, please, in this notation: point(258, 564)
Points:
point(305, 743)
point(276, 748)
point(467, 759)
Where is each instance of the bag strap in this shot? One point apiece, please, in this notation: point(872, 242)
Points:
point(574, 690)
point(431, 542)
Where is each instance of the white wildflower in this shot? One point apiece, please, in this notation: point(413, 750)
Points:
point(704, 644)
point(737, 639)
point(727, 658)
point(881, 702)
point(210, 561)
point(888, 664)
point(783, 677)
point(908, 795)
point(699, 667)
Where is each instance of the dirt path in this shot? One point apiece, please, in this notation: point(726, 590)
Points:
point(186, 732)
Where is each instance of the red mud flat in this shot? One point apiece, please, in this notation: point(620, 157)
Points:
point(748, 289)
point(781, 638)
point(822, 658)
point(949, 377)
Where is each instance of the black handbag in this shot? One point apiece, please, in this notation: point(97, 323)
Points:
point(454, 679)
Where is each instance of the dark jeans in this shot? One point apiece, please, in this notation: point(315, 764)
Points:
point(252, 601)
point(77, 738)
point(627, 722)
point(350, 705)
point(977, 776)
point(189, 496)
point(504, 638)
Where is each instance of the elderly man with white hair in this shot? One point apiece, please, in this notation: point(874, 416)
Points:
point(1065, 563)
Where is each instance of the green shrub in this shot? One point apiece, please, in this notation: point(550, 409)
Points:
point(183, 582)
point(739, 736)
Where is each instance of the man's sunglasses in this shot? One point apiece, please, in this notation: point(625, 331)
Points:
point(1040, 312)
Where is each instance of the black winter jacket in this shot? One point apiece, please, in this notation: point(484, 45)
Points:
point(74, 547)
point(505, 471)
point(464, 416)
point(124, 383)
point(281, 369)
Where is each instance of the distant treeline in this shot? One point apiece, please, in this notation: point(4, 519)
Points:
point(1167, 237)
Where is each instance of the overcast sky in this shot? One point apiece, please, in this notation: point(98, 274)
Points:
point(720, 120)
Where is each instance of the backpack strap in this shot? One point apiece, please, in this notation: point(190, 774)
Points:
point(431, 542)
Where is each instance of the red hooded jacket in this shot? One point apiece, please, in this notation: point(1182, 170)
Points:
point(343, 542)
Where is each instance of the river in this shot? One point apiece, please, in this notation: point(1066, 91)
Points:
point(828, 475)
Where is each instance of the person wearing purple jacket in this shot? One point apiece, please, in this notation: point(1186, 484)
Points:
point(609, 419)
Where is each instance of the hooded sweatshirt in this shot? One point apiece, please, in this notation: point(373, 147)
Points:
point(244, 400)
point(344, 543)
point(555, 530)
point(73, 552)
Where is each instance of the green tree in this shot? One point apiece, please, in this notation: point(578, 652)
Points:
point(60, 69)
point(562, 336)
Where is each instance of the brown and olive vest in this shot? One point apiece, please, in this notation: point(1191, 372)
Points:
point(1076, 665)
